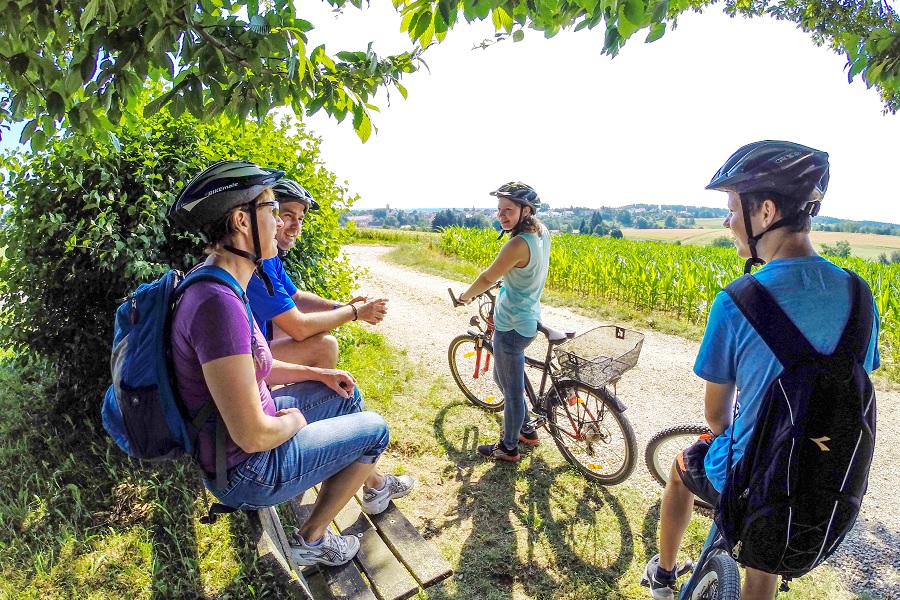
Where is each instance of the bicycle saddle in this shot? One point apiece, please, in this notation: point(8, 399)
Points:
point(556, 335)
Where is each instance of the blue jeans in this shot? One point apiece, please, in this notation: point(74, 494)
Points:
point(338, 433)
point(509, 373)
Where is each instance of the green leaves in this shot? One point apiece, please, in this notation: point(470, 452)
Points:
point(89, 13)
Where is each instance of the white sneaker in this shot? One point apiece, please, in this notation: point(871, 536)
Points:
point(333, 550)
point(376, 501)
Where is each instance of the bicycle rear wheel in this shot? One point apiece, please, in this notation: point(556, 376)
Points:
point(591, 433)
point(664, 447)
point(472, 366)
point(718, 579)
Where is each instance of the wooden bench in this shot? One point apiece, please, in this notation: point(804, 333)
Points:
point(394, 560)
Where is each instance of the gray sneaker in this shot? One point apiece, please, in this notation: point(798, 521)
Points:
point(376, 501)
point(333, 550)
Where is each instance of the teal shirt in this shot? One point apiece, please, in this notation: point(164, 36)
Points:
point(519, 301)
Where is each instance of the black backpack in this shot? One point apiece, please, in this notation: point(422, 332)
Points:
point(796, 491)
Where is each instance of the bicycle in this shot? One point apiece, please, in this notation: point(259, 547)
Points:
point(715, 575)
point(584, 418)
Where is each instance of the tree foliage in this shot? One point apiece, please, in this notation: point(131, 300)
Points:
point(85, 222)
point(866, 32)
point(82, 65)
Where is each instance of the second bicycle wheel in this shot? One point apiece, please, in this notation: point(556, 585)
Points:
point(472, 366)
point(591, 434)
point(665, 446)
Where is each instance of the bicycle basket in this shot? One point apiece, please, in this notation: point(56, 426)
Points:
point(599, 355)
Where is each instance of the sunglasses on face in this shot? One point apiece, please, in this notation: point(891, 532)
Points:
point(273, 204)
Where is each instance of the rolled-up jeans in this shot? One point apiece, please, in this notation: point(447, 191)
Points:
point(509, 373)
point(338, 433)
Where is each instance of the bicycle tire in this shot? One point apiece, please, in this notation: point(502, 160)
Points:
point(595, 437)
point(718, 579)
point(666, 445)
point(481, 391)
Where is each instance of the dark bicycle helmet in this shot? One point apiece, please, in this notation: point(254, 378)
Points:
point(287, 190)
point(208, 197)
point(520, 193)
point(799, 174)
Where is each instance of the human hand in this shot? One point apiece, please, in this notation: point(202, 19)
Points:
point(373, 311)
point(359, 299)
point(341, 382)
point(286, 411)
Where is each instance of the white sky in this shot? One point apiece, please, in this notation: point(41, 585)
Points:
point(652, 125)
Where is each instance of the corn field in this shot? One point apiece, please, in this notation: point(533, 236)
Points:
point(675, 279)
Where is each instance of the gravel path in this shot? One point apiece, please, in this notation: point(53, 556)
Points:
point(660, 391)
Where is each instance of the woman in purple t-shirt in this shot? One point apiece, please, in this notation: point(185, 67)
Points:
point(277, 444)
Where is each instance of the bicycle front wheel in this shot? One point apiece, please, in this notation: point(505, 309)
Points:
point(591, 433)
point(718, 579)
point(665, 446)
point(472, 366)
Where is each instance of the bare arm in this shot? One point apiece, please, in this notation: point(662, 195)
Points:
point(308, 302)
point(282, 372)
point(301, 326)
point(514, 253)
point(719, 405)
point(232, 382)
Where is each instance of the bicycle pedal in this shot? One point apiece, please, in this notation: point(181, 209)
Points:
point(685, 568)
point(534, 423)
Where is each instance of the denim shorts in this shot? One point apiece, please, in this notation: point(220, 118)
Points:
point(339, 432)
point(691, 469)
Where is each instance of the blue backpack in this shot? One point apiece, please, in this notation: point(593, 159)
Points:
point(796, 491)
point(142, 409)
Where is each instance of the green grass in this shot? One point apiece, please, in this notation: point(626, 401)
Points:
point(78, 520)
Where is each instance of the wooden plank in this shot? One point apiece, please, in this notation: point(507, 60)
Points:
point(420, 557)
point(388, 576)
point(344, 581)
point(269, 547)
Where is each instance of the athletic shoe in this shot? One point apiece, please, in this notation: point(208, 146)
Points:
point(658, 589)
point(376, 501)
point(531, 438)
point(333, 550)
point(663, 590)
point(499, 452)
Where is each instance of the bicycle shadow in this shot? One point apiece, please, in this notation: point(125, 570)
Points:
point(513, 509)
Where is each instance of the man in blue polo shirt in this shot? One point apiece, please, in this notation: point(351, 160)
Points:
point(297, 322)
point(773, 188)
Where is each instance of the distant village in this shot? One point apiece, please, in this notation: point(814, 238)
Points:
point(602, 221)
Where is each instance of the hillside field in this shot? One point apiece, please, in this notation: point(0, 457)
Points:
point(864, 245)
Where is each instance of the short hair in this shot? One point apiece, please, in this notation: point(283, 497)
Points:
point(790, 208)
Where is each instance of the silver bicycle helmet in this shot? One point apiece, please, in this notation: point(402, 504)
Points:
point(205, 201)
point(287, 190)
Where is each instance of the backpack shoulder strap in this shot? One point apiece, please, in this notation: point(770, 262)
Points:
point(776, 329)
point(221, 276)
point(858, 332)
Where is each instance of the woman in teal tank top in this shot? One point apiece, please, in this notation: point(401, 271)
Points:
point(522, 264)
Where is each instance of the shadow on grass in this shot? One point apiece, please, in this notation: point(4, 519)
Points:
point(497, 561)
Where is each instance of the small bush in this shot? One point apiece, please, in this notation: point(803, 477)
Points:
point(723, 241)
point(841, 249)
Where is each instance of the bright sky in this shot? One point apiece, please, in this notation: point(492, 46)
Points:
point(652, 125)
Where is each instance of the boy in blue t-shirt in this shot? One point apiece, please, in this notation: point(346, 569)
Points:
point(297, 322)
point(774, 188)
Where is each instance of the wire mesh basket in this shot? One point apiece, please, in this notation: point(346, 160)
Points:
point(599, 355)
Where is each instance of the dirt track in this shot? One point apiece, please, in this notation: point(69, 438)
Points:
point(660, 391)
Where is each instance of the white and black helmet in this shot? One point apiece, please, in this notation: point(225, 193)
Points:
point(205, 201)
point(208, 197)
point(288, 190)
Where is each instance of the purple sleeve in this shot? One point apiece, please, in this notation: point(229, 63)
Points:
point(219, 326)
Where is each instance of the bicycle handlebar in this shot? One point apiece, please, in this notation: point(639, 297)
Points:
point(457, 302)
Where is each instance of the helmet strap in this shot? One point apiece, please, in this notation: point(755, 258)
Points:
point(256, 258)
point(751, 239)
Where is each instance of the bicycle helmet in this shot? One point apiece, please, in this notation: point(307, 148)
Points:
point(520, 193)
point(287, 190)
point(797, 173)
point(208, 197)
